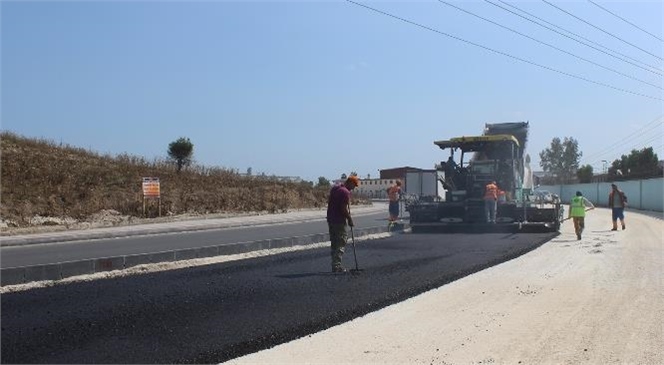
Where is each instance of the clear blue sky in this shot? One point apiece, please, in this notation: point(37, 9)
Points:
point(321, 88)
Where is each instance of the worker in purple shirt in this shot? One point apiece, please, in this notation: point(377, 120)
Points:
point(338, 214)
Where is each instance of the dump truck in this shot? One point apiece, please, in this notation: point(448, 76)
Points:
point(498, 154)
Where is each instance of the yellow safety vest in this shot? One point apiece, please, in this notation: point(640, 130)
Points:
point(577, 208)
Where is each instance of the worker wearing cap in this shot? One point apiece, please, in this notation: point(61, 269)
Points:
point(577, 212)
point(490, 201)
point(394, 194)
point(338, 215)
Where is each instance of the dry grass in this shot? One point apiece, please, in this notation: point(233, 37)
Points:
point(40, 177)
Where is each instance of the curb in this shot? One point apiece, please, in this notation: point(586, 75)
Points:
point(147, 229)
point(83, 235)
point(27, 274)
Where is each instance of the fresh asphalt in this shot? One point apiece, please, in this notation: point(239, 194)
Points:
point(216, 312)
point(50, 253)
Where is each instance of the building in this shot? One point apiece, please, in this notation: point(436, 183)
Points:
point(423, 182)
point(375, 188)
point(371, 188)
point(398, 172)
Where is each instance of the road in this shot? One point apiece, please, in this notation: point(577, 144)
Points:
point(596, 301)
point(38, 254)
point(217, 312)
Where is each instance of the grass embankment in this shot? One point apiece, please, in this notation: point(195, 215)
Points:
point(43, 178)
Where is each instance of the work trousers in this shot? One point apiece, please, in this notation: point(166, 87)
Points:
point(394, 210)
point(338, 238)
point(579, 225)
point(490, 207)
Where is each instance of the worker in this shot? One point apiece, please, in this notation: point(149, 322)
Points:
point(338, 215)
point(577, 212)
point(491, 201)
point(450, 169)
point(394, 194)
point(617, 203)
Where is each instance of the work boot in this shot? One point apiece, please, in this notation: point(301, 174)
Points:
point(339, 269)
point(614, 229)
point(578, 236)
point(623, 226)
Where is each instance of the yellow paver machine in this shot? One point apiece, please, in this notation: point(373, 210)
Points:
point(474, 161)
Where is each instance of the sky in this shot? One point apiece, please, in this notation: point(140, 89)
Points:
point(322, 88)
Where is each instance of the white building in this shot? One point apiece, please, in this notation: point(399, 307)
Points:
point(372, 188)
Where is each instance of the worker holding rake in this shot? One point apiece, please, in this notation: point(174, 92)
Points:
point(577, 211)
point(394, 195)
point(338, 215)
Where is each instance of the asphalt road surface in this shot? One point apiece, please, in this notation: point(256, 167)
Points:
point(39, 254)
point(217, 312)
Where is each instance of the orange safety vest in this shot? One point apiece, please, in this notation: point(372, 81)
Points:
point(491, 192)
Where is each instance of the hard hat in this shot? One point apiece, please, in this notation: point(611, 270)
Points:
point(354, 180)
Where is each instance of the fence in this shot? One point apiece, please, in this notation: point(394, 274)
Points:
point(641, 194)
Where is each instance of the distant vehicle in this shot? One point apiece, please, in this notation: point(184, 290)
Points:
point(543, 196)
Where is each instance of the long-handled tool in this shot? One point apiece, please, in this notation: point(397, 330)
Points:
point(568, 218)
point(352, 238)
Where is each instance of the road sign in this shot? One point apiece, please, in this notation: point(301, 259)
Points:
point(151, 190)
point(151, 187)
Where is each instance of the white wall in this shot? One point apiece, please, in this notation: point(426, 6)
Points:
point(641, 194)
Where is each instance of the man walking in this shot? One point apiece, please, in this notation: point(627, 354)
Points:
point(394, 194)
point(577, 211)
point(490, 201)
point(338, 214)
point(617, 203)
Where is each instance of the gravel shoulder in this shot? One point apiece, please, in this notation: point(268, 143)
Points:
point(595, 301)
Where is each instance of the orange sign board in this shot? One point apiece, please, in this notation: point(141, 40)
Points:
point(151, 187)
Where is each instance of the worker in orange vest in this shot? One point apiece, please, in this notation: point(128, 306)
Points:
point(394, 194)
point(491, 201)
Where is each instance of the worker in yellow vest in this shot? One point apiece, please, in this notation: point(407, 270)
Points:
point(577, 211)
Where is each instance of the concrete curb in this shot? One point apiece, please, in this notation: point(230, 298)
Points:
point(26, 274)
point(8, 241)
point(165, 228)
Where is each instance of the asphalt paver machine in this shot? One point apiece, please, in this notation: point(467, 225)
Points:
point(474, 161)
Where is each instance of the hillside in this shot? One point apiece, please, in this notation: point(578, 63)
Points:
point(43, 179)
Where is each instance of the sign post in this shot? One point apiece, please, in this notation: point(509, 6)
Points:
point(151, 190)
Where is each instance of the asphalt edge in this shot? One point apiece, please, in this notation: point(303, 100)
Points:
point(151, 229)
point(145, 230)
point(27, 274)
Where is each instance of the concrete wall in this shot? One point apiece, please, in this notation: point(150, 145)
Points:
point(641, 194)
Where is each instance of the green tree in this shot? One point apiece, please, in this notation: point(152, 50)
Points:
point(323, 182)
point(585, 174)
point(639, 164)
point(561, 159)
point(181, 152)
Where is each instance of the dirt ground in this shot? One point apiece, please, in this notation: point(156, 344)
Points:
point(599, 300)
